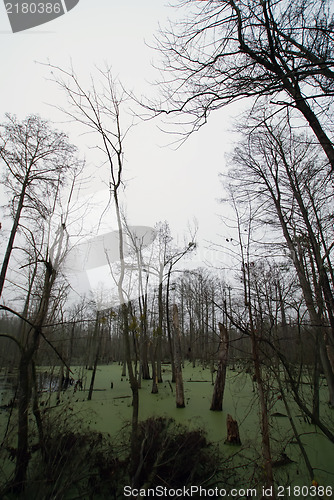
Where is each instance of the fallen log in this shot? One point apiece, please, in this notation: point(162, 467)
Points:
point(199, 381)
point(85, 390)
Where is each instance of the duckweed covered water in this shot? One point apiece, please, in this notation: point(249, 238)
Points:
point(110, 410)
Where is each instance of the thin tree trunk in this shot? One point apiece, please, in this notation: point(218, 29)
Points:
point(69, 359)
point(168, 322)
point(327, 368)
point(93, 343)
point(158, 358)
point(160, 328)
point(125, 324)
point(155, 389)
point(134, 390)
point(316, 377)
point(10, 243)
point(264, 421)
point(22, 457)
point(37, 413)
point(178, 360)
point(61, 381)
point(145, 373)
point(266, 451)
point(97, 353)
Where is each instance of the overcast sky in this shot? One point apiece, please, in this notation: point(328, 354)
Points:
point(162, 183)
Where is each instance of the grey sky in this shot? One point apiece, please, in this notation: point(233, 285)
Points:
point(162, 184)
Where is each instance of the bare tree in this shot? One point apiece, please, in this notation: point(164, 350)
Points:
point(142, 266)
point(227, 50)
point(36, 160)
point(99, 110)
point(169, 258)
point(255, 337)
point(38, 317)
point(284, 176)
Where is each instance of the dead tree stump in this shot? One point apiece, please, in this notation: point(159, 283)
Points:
point(233, 436)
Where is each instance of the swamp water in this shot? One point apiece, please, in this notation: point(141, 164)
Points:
point(110, 410)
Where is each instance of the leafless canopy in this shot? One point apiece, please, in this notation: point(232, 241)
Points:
point(227, 50)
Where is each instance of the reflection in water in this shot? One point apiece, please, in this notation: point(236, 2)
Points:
point(46, 382)
point(8, 387)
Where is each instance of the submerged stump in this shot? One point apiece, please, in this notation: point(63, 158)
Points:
point(233, 436)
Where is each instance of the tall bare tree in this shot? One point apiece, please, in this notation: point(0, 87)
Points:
point(99, 109)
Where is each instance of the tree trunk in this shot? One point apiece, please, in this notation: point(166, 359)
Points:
point(93, 343)
point(61, 382)
point(160, 328)
point(145, 371)
point(134, 390)
point(316, 377)
point(178, 360)
point(305, 109)
point(327, 368)
point(266, 449)
point(10, 243)
point(91, 387)
point(22, 457)
point(155, 389)
point(264, 421)
point(218, 392)
point(37, 413)
point(169, 335)
point(70, 351)
point(233, 436)
point(158, 358)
